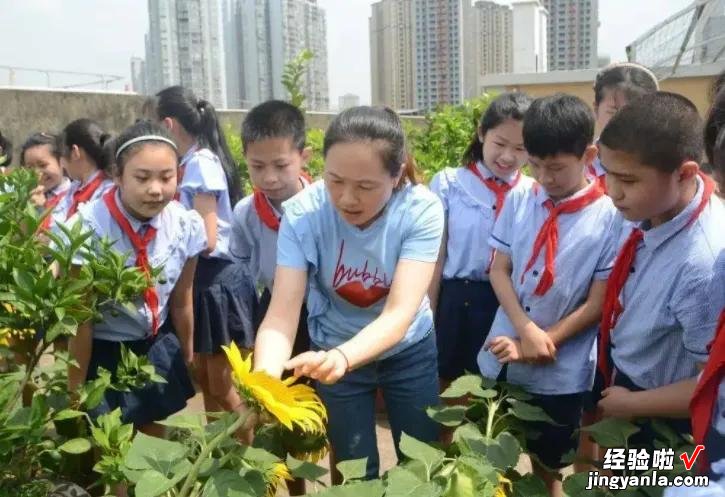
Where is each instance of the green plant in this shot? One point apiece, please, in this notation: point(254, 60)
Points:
point(448, 132)
point(292, 74)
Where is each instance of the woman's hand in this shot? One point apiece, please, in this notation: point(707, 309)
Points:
point(536, 345)
point(505, 349)
point(324, 366)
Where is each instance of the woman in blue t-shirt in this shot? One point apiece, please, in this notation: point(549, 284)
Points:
point(362, 246)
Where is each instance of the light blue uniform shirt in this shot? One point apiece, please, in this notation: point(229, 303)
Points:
point(470, 215)
point(203, 173)
point(668, 318)
point(350, 270)
point(180, 236)
point(584, 254)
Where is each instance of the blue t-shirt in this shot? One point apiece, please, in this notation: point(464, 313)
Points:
point(350, 270)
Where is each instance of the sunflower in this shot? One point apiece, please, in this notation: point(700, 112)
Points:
point(310, 447)
point(276, 476)
point(504, 486)
point(292, 405)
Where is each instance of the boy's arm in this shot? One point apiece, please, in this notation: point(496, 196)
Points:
point(583, 317)
point(669, 401)
point(535, 343)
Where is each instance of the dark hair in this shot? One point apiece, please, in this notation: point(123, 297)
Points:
point(714, 123)
point(90, 136)
point(717, 86)
point(140, 128)
point(380, 126)
point(511, 105)
point(7, 147)
point(718, 161)
point(199, 119)
point(38, 140)
point(632, 80)
point(558, 124)
point(661, 129)
point(274, 119)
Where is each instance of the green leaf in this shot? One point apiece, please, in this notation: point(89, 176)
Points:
point(467, 431)
point(530, 486)
point(576, 486)
point(527, 412)
point(152, 484)
point(258, 455)
point(372, 488)
point(468, 385)
point(417, 450)
point(353, 469)
point(505, 452)
point(67, 326)
point(76, 446)
point(68, 414)
point(192, 422)
point(304, 469)
point(154, 453)
point(226, 483)
point(402, 483)
point(611, 432)
point(447, 415)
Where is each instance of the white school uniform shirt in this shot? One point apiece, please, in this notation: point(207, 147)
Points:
point(470, 208)
point(584, 254)
point(62, 188)
point(180, 236)
point(61, 210)
point(668, 318)
point(203, 173)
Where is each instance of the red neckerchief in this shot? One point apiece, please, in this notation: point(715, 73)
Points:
point(50, 204)
point(264, 208)
point(499, 188)
point(84, 193)
point(548, 236)
point(140, 245)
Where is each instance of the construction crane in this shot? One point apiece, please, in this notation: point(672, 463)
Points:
point(105, 79)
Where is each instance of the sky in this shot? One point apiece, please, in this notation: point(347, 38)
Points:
point(101, 36)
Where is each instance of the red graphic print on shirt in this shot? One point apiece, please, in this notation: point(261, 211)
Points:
point(358, 285)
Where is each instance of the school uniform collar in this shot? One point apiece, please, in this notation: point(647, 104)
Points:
point(136, 224)
point(487, 174)
point(654, 237)
point(189, 153)
point(62, 187)
point(598, 168)
point(542, 197)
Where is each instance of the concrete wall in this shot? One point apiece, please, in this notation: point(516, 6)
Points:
point(24, 111)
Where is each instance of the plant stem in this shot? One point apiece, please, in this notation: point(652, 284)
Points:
point(190, 480)
point(34, 360)
point(492, 408)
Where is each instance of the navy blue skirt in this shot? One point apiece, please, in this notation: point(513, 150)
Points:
point(225, 305)
point(155, 401)
point(463, 319)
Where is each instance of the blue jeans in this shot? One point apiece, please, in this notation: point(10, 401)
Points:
point(409, 382)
